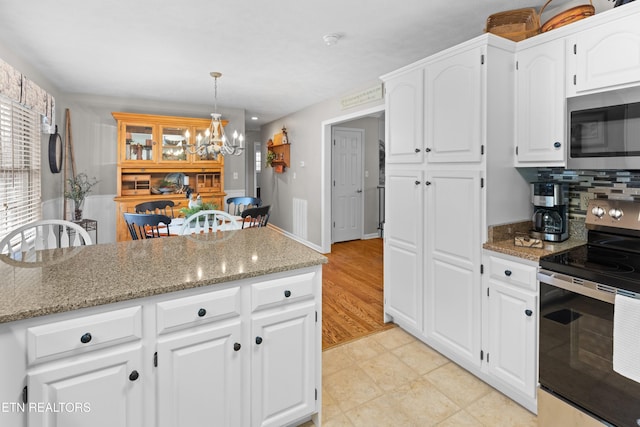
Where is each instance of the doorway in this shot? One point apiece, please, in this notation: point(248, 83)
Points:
point(347, 184)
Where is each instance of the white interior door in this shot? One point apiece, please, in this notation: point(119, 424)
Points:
point(348, 184)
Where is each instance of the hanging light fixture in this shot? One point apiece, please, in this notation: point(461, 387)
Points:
point(214, 141)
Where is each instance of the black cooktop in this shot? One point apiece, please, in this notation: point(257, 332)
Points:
point(612, 267)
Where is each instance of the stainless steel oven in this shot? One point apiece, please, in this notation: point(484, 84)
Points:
point(577, 292)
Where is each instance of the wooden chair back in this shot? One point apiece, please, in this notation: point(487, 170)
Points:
point(256, 217)
point(209, 221)
point(22, 243)
point(147, 226)
point(162, 207)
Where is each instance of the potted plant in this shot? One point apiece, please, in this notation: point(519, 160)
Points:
point(271, 156)
point(78, 189)
point(205, 206)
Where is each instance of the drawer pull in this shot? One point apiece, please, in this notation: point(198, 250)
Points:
point(85, 338)
point(258, 340)
point(507, 273)
point(417, 150)
point(134, 375)
point(237, 346)
point(287, 294)
point(528, 312)
point(202, 312)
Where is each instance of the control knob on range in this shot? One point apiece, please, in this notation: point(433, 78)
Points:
point(598, 211)
point(615, 213)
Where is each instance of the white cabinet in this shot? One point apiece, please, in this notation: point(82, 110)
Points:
point(283, 365)
point(101, 390)
point(540, 113)
point(403, 247)
point(605, 57)
point(512, 304)
point(453, 114)
point(186, 358)
point(404, 100)
point(452, 289)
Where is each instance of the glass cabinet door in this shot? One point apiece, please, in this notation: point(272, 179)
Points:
point(139, 142)
point(204, 154)
point(174, 144)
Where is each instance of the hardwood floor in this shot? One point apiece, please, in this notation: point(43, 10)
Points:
point(352, 297)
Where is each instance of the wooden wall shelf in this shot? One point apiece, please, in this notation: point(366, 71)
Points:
point(281, 161)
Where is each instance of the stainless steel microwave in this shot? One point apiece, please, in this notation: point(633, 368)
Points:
point(604, 131)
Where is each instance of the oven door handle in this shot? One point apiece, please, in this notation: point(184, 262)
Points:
point(579, 286)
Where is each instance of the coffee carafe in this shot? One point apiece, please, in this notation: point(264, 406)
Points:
point(550, 219)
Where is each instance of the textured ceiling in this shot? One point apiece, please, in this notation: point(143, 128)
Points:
point(271, 54)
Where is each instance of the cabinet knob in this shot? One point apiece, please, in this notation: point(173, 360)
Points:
point(417, 182)
point(557, 144)
point(507, 273)
point(202, 312)
point(427, 183)
point(417, 150)
point(134, 375)
point(287, 294)
point(427, 150)
point(258, 340)
point(528, 312)
point(85, 338)
point(237, 346)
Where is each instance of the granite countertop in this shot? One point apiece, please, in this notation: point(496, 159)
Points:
point(501, 239)
point(72, 278)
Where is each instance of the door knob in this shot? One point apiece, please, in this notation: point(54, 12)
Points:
point(358, 191)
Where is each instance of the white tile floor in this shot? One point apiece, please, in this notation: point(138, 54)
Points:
point(392, 379)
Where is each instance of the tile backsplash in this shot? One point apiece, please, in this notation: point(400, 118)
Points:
point(592, 184)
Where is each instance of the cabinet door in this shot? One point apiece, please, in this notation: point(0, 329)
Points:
point(606, 56)
point(137, 143)
point(174, 141)
point(512, 347)
point(404, 115)
point(283, 375)
point(452, 262)
point(403, 246)
point(453, 113)
point(99, 391)
point(200, 377)
point(540, 105)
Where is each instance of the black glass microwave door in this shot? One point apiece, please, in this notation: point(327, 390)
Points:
point(612, 131)
point(576, 351)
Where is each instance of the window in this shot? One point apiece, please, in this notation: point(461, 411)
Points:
point(258, 158)
point(20, 193)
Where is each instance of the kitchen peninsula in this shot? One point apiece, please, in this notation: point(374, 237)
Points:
point(169, 331)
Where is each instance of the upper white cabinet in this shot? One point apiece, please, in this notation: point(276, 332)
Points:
point(453, 114)
point(404, 101)
point(605, 57)
point(540, 116)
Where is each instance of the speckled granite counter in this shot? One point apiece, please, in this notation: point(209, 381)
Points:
point(68, 279)
point(501, 239)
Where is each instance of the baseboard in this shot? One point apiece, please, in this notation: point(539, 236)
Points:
point(296, 238)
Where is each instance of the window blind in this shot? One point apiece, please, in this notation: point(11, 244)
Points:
point(20, 193)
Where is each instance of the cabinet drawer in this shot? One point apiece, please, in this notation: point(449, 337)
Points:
point(74, 336)
point(198, 309)
point(281, 291)
point(514, 273)
point(132, 178)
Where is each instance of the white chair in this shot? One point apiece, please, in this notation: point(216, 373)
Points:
point(22, 243)
point(209, 221)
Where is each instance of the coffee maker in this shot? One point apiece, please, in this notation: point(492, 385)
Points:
point(550, 220)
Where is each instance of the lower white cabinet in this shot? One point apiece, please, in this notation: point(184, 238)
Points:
point(99, 390)
point(511, 350)
point(243, 353)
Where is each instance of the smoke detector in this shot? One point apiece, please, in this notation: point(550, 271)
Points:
point(331, 39)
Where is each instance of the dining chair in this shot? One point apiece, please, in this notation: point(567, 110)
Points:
point(235, 205)
point(162, 207)
point(22, 243)
point(255, 217)
point(207, 221)
point(147, 226)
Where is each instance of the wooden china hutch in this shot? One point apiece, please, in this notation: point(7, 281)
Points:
point(155, 163)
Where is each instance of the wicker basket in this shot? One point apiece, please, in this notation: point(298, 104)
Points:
point(516, 25)
point(568, 16)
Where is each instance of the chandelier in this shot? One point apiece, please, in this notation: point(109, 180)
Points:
point(214, 142)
